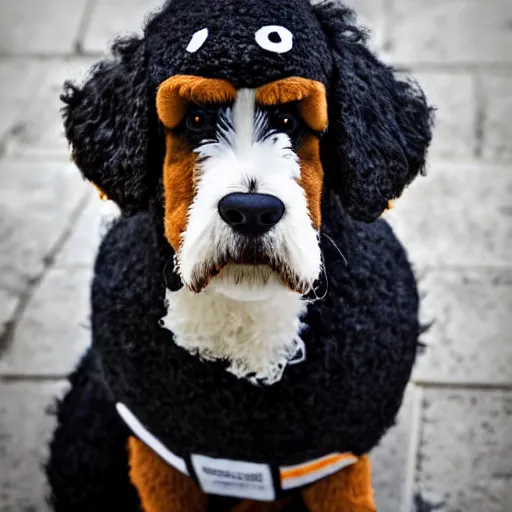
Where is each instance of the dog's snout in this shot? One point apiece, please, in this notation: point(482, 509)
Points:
point(251, 214)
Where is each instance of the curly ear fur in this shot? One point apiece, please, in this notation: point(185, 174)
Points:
point(107, 124)
point(379, 126)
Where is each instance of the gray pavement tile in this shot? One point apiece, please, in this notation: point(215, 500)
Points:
point(465, 454)
point(459, 31)
point(454, 96)
point(54, 329)
point(81, 247)
point(25, 430)
point(37, 199)
point(497, 128)
point(111, 18)
point(19, 82)
point(35, 27)
point(391, 460)
point(39, 129)
point(20, 78)
point(459, 215)
point(470, 340)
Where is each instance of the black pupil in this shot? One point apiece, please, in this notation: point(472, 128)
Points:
point(274, 37)
point(286, 122)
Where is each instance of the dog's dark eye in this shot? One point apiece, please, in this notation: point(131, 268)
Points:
point(200, 124)
point(286, 122)
point(197, 120)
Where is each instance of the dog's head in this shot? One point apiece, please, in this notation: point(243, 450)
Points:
point(244, 113)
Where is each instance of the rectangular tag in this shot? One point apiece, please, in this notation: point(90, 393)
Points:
point(233, 478)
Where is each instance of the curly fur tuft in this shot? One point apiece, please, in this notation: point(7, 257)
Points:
point(107, 123)
point(380, 127)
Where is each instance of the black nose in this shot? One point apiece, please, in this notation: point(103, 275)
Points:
point(251, 214)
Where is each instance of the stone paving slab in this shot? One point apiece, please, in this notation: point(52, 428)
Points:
point(19, 81)
point(451, 32)
point(111, 18)
point(454, 96)
point(37, 199)
point(54, 330)
point(36, 27)
point(39, 129)
point(25, 431)
point(470, 340)
point(465, 456)
point(459, 215)
point(391, 459)
point(37, 202)
point(497, 114)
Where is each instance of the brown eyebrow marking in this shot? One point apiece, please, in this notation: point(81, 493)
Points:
point(176, 93)
point(310, 95)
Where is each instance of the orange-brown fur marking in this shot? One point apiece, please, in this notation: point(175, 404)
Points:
point(162, 488)
point(312, 176)
point(179, 168)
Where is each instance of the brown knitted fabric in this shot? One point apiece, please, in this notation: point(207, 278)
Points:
point(162, 488)
point(349, 490)
point(257, 506)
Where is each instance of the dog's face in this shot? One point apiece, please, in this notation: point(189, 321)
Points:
point(243, 181)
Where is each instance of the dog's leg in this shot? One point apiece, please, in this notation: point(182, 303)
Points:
point(161, 487)
point(349, 490)
point(88, 465)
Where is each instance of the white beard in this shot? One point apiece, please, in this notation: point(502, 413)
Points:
point(254, 325)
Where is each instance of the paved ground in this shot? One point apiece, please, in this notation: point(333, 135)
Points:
point(453, 443)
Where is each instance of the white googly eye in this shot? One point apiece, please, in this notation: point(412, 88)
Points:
point(198, 39)
point(275, 38)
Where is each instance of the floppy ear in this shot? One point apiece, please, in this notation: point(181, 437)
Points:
point(107, 123)
point(379, 126)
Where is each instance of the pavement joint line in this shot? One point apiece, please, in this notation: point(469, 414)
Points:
point(13, 379)
point(78, 43)
point(480, 116)
point(498, 267)
point(407, 501)
point(462, 386)
point(448, 67)
point(6, 337)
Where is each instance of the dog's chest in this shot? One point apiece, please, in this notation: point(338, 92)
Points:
point(257, 339)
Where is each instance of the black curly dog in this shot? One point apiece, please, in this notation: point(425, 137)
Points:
point(362, 334)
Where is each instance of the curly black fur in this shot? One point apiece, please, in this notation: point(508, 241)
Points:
point(379, 128)
point(108, 124)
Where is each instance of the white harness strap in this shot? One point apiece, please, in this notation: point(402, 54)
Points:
point(241, 479)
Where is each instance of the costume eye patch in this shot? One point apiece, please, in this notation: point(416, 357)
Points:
point(197, 41)
point(275, 38)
